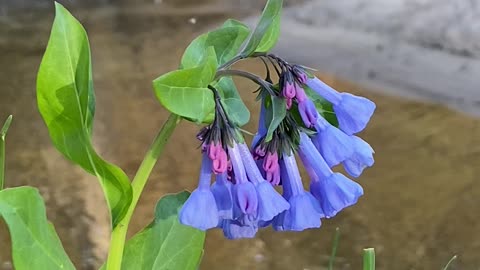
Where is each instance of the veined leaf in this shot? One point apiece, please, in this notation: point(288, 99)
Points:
point(184, 92)
point(67, 104)
point(226, 42)
point(237, 112)
point(266, 33)
point(35, 245)
point(165, 244)
point(275, 113)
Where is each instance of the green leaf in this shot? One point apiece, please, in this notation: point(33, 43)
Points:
point(324, 107)
point(237, 111)
point(67, 104)
point(266, 33)
point(35, 245)
point(226, 42)
point(369, 259)
point(165, 244)
point(276, 112)
point(184, 92)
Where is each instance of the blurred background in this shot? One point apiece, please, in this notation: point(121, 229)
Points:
point(417, 59)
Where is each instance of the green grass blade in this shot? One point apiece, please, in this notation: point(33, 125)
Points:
point(336, 239)
point(3, 134)
point(369, 259)
point(450, 262)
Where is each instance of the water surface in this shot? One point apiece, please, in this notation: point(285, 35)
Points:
point(421, 199)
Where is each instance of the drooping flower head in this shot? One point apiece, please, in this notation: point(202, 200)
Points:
point(240, 197)
point(293, 121)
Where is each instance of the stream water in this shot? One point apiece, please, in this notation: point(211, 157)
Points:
point(421, 198)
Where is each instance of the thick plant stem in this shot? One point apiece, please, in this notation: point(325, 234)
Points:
point(119, 234)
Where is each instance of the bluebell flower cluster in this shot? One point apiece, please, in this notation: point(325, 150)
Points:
point(243, 199)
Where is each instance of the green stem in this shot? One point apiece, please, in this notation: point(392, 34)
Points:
point(336, 239)
point(119, 234)
point(369, 259)
point(3, 134)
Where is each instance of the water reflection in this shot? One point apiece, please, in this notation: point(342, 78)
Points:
point(420, 198)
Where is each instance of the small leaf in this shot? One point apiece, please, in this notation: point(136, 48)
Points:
point(226, 42)
point(165, 244)
point(266, 33)
point(237, 111)
point(276, 112)
point(324, 107)
point(184, 92)
point(67, 104)
point(35, 245)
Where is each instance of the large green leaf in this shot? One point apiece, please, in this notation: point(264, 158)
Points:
point(35, 245)
point(275, 113)
point(184, 92)
point(165, 244)
point(266, 33)
point(67, 104)
point(226, 42)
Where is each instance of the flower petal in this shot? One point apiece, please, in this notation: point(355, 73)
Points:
point(335, 193)
point(200, 210)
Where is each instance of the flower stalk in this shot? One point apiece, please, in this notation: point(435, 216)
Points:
point(119, 234)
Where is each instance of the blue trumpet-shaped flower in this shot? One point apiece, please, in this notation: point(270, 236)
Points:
point(361, 158)
point(304, 211)
point(334, 145)
point(222, 191)
point(270, 202)
point(308, 112)
point(245, 198)
point(353, 112)
point(200, 209)
point(333, 191)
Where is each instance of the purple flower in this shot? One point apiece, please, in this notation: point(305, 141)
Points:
point(222, 191)
point(243, 192)
point(218, 156)
point(333, 191)
point(288, 90)
point(308, 112)
point(334, 145)
point(362, 157)
point(304, 211)
point(300, 93)
point(300, 73)
point(200, 209)
point(270, 203)
point(353, 112)
point(272, 168)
